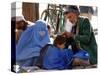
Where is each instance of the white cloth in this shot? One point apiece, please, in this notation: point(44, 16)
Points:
point(68, 26)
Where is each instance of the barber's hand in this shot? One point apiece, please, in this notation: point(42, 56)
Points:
point(68, 34)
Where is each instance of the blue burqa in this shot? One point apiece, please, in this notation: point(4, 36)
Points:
point(31, 42)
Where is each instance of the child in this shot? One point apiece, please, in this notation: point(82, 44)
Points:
point(56, 56)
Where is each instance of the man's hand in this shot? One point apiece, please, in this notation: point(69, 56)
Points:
point(68, 34)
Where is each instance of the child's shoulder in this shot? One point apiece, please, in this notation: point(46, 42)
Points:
point(52, 47)
point(68, 51)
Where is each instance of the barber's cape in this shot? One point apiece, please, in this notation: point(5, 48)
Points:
point(32, 40)
point(58, 59)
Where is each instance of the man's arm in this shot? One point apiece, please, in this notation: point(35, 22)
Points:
point(85, 32)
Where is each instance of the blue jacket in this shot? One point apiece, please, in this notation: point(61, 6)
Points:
point(57, 58)
point(31, 41)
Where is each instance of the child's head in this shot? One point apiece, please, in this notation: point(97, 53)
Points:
point(60, 41)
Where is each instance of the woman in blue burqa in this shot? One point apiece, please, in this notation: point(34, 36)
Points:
point(31, 42)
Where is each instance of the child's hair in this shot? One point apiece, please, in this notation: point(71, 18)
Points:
point(59, 40)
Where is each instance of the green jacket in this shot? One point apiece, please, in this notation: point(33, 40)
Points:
point(87, 39)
